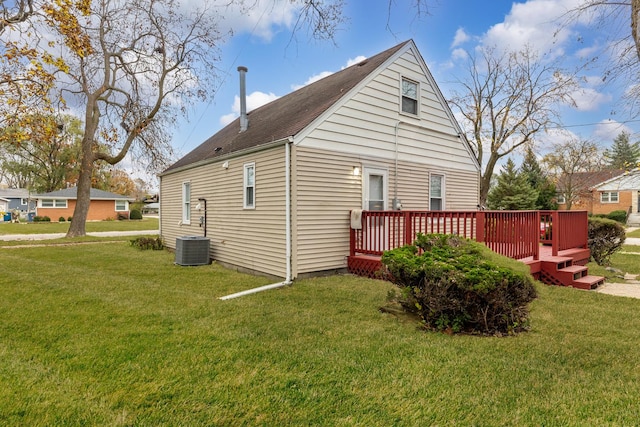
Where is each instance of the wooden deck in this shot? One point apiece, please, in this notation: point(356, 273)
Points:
point(552, 243)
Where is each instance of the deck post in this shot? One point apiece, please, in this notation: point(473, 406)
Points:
point(555, 232)
point(536, 251)
point(408, 229)
point(480, 226)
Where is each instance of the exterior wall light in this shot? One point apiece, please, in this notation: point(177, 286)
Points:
point(356, 171)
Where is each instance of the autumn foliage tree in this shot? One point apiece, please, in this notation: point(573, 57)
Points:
point(29, 68)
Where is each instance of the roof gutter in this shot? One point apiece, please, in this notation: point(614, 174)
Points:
point(229, 156)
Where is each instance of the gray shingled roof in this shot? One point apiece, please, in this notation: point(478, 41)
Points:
point(72, 193)
point(14, 193)
point(286, 116)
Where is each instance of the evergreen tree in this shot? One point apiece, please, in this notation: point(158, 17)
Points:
point(539, 181)
point(623, 154)
point(512, 191)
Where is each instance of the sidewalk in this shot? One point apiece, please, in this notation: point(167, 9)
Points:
point(11, 237)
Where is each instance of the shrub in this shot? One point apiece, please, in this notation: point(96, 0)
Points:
point(135, 214)
point(61, 219)
point(122, 217)
point(457, 285)
point(145, 243)
point(619, 216)
point(38, 218)
point(605, 237)
point(70, 218)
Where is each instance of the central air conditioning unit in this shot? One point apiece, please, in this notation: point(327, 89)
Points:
point(192, 250)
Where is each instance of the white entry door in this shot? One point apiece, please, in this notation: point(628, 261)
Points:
point(374, 198)
point(374, 189)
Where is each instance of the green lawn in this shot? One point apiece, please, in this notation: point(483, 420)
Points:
point(635, 233)
point(91, 226)
point(104, 334)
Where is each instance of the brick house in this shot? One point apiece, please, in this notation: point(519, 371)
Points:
point(104, 205)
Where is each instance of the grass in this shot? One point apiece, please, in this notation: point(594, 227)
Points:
point(149, 223)
point(109, 335)
point(635, 233)
point(627, 260)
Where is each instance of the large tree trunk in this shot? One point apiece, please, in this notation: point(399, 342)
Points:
point(77, 227)
point(485, 178)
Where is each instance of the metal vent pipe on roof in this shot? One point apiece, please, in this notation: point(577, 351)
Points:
point(244, 120)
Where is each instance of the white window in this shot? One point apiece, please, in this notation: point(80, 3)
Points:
point(436, 192)
point(122, 205)
point(23, 201)
point(561, 199)
point(53, 203)
point(409, 97)
point(249, 201)
point(609, 197)
point(186, 203)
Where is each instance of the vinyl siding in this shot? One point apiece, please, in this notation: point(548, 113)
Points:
point(253, 239)
point(325, 190)
point(367, 122)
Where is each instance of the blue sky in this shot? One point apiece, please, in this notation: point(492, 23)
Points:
point(279, 63)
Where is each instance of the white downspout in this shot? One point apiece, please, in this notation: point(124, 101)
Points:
point(287, 191)
point(395, 180)
point(287, 204)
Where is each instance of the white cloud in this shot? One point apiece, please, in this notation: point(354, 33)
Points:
point(460, 37)
point(607, 130)
point(254, 100)
point(589, 99)
point(260, 18)
point(459, 54)
point(537, 23)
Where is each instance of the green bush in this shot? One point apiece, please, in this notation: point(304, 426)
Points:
point(605, 237)
point(61, 219)
point(135, 214)
point(70, 218)
point(145, 243)
point(620, 216)
point(122, 216)
point(38, 218)
point(457, 285)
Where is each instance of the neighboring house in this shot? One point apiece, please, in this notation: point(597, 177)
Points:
point(579, 190)
point(151, 208)
point(18, 199)
point(274, 189)
point(4, 207)
point(104, 205)
point(619, 193)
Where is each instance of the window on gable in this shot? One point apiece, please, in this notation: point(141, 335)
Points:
point(249, 201)
point(561, 199)
point(186, 203)
point(409, 97)
point(436, 192)
point(609, 197)
point(121, 206)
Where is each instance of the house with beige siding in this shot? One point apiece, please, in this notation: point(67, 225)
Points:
point(273, 190)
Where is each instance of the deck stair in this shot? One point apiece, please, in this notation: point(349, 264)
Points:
point(561, 271)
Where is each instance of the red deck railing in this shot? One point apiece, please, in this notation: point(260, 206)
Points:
point(516, 234)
